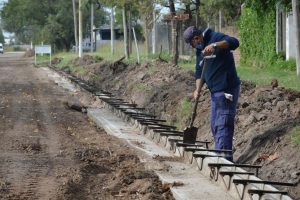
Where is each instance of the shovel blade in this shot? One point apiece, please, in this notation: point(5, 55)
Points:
point(190, 135)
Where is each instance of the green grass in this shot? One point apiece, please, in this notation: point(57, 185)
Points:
point(187, 65)
point(184, 110)
point(264, 76)
point(8, 48)
point(42, 58)
point(66, 58)
point(295, 135)
point(142, 87)
point(80, 70)
point(105, 52)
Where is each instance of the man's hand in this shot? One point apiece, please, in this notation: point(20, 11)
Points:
point(209, 50)
point(196, 94)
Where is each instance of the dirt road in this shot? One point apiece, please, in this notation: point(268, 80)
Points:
point(50, 152)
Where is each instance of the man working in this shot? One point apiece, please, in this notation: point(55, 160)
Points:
point(221, 79)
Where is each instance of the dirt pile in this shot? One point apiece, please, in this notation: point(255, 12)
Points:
point(85, 60)
point(29, 53)
point(56, 61)
point(267, 117)
point(119, 175)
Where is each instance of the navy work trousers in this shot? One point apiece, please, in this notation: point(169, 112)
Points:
point(223, 112)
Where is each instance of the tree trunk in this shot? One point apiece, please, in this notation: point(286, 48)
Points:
point(112, 31)
point(297, 34)
point(125, 33)
point(129, 32)
point(220, 20)
point(80, 28)
point(75, 26)
point(197, 13)
point(146, 31)
point(174, 33)
point(92, 27)
point(189, 12)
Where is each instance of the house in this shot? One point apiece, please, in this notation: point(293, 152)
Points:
point(105, 33)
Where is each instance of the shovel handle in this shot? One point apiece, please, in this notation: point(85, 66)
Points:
point(200, 87)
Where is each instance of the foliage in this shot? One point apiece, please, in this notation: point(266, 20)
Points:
point(295, 135)
point(258, 37)
point(45, 21)
point(230, 9)
point(257, 27)
point(286, 65)
point(2, 37)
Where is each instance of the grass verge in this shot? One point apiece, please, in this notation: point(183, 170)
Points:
point(264, 76)
point(183, 112)
point(261, 76)
point(295, 135)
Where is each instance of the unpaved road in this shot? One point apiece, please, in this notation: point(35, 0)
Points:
point(50, 152)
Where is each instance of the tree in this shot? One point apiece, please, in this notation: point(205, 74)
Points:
point(128, 16)
point(48, 21)
point(26, 18)
point(174, 33)
point(2, 40)
point(295, 4)
point(75, 25)
point(231, 10)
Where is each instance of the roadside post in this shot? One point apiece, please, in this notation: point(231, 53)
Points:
point(175, 19)
point(42, 49)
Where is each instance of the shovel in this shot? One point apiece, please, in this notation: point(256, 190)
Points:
point(190, 132)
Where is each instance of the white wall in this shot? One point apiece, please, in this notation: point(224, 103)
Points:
point(290, 37)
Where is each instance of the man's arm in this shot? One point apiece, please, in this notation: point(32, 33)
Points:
point(223, 42)
point(197, 88)
point(198, 72)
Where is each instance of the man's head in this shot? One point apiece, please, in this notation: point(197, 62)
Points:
point(193, 36)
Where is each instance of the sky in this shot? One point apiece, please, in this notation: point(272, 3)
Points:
point(2, 1)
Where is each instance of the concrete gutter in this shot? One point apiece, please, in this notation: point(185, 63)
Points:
point(195, 186)
point(199, 181)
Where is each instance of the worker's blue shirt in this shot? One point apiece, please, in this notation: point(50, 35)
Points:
point(220, 74)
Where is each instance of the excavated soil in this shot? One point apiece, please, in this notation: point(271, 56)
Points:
point(48, 151)
point(267, 118)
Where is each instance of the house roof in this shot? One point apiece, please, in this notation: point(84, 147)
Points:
point(106, 27)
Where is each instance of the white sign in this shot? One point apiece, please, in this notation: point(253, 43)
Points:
point(42, 49)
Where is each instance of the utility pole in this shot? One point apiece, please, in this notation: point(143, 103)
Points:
point(92, 27)
point(154, 32)
point(75, 26)
point(125, 32)
point(129, 31)
point(295, 4)
point(80, 28)
point(174, 19)
point(112, 31)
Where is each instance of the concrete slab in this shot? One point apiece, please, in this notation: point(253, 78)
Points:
point(195, 186)
point(60, 81)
